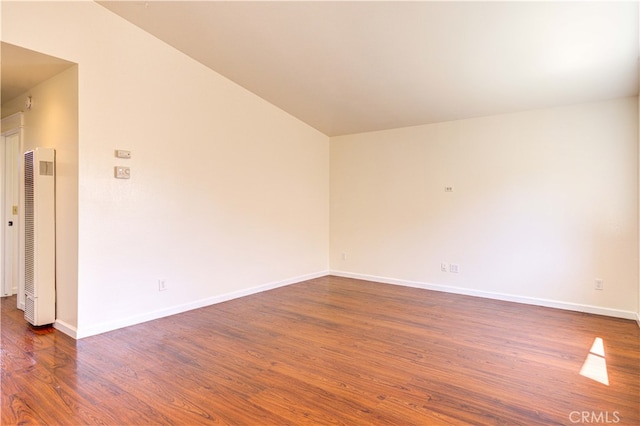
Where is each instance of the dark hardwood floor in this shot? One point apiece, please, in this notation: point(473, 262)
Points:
point(327, 351)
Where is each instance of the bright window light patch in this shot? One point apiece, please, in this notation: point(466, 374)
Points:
point(598, 347)
point(595, 366)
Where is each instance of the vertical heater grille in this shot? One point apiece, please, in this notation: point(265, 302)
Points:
point(29, 309)
point(39, 236)
point(28, 224)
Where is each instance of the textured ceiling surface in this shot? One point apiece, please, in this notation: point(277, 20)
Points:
point(346, 67)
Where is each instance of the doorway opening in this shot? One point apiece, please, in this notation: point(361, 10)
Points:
point(10, 151)
point(43, 91)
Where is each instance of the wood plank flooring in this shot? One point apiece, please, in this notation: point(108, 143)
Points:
point(327, 351)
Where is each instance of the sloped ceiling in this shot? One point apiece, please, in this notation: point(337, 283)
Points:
point(348, 67)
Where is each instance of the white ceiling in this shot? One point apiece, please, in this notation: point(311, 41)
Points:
point(347, 67)
point(22, 69)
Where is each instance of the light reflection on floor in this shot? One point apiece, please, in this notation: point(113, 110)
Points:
point(595, 366)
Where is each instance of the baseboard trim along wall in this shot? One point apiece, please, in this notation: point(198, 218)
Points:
point(67, 329)
point(498, 296)
point(137, 319)
point(172, 310)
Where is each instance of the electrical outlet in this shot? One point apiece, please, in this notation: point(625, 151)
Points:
point(448, 188)
point(444, 267)
point(344, 256)
point(599, 285)
point(162, 285)
point(454, 268)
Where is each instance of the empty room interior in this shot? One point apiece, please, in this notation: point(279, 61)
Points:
point(320, 212)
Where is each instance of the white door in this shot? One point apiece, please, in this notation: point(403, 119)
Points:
point(10, 209)
point(2, 214)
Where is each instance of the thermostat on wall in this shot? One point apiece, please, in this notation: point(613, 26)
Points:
point(121, 153)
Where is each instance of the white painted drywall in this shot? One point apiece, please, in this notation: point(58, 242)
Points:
point(52, 122)
point(227, 192)
point(544, 203)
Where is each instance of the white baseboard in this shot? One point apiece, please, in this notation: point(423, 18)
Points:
point(638, 318)
point(617, 313)
point(67, 329)
point(172, 310)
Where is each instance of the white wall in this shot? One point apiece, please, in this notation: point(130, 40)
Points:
point(227, 192)
point(53, 122)
point(544, 203)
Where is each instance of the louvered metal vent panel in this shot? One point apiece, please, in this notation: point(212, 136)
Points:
point(29, 223)
point(30, 309)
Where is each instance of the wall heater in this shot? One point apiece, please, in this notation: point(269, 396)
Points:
point(39, 236)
